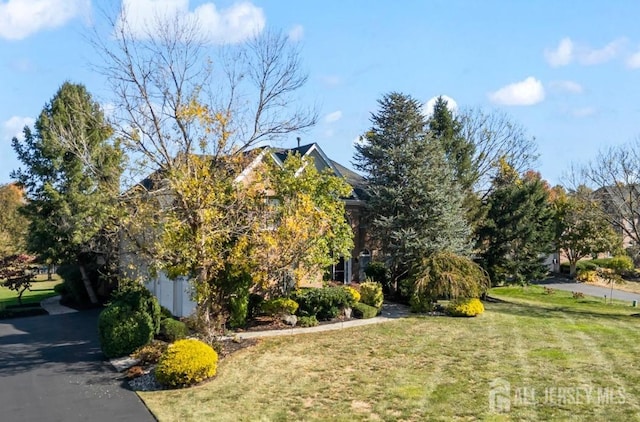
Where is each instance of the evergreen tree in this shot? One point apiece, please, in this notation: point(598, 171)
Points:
point(71, 178)
point(518, 230)
point(447, 129)
point(415, 208)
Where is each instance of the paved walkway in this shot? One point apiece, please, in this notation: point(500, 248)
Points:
point(52, 369)
point(588, 289)
point(53, 307)
point(390, 312)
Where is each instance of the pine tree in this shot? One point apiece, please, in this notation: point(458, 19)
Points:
point(71, 179)
point(447, 129)
point(518, 230)
point(415, 208)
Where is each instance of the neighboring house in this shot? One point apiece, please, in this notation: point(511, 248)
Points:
point(622, 204)
point(176, 294)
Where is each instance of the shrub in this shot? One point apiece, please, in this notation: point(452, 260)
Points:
point(580, 265)
point(150, 354)
point(420, 303)
point(447, 275)
point(238, 310)
point(255, 302)
point(587, 276)
point(122, 330)
point(280, 306)
point(549, 291)
point(378, 272)
point(465, 308)
point(173, 330)
point(307, 321)
point(364, 311)
point(139, 299)
point(355, 295)
point(324, 303)
point(186, 362)
point(371, 294)
point(578, 295)
point(621, 263)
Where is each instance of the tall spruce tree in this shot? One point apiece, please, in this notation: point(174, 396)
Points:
point(519, 227)
point(415, 208)
point(70, 174)
point(447, 129)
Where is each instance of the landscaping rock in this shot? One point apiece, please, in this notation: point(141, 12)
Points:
point(291, 320)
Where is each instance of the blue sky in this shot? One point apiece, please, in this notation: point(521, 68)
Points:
point(567, 71)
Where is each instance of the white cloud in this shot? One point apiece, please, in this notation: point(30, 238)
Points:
point(568, 51)
point(427, 108)
point(333, 116)
point(22, 18)
point(583, 112)
point(233, 24)
point(527, 92)
point(588, 56)
point(567, 86)
point(561, 55)
point(633, 61)
point(13, 127)
point(296, 33)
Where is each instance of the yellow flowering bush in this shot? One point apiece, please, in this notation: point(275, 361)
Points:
point(371, 294)
point(354, 294)
point(587, 276)
point(465, 308)
point(186, 362)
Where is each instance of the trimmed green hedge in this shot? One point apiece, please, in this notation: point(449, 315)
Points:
point(364, 311)
point(323, 303)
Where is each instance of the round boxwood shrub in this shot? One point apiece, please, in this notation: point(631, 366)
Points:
point(465, 308)
point(139, 299)
point(122, 330)
point(371, 294)
point(173, 330)
point(186, 362)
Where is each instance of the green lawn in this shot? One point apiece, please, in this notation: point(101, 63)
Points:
point(564, 359)
point(40, 289)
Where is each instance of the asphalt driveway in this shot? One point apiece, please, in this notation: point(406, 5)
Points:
point(52, 369)
point(590, 290)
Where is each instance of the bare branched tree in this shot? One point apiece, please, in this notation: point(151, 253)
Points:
point(615, 176)
point(495, 135)
point(175, 93)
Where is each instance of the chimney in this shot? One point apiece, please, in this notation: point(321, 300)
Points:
point(298, 139)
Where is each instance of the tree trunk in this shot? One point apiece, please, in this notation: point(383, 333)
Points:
point(87, 285)
point(572, 269)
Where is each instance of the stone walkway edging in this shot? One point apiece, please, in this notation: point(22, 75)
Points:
point(390, 312)
point(53, 307)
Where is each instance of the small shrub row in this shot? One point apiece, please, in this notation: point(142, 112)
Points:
point(364, 311)
point(323, 303)
point(279, 306)
point(465, 308)
point(587, 276)
point(186, 362)
point(307, 321)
